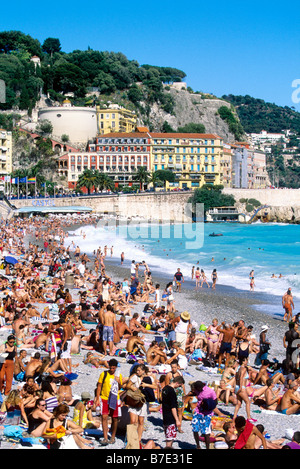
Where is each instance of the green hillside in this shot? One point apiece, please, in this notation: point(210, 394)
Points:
point(77, 72)
point(257, 115)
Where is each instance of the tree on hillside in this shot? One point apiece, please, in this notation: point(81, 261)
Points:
point(16, 40)
point(51, 45)
point(192, 128)
point(45, 127)
point(67, 78)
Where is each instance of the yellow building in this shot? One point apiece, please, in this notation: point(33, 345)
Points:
point(194, 158)
point(115, 119)
point(5, 152)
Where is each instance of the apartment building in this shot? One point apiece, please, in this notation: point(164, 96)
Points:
point(226, 165)
point(5, 152)
point(257, 172)
point(115, 119)
point(193, 158)
point(118, 155)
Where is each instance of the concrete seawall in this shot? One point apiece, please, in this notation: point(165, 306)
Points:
point(173, 206)
point(166, 206)
point(272, 197)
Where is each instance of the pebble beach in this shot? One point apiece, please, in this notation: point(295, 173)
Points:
point(225, 304)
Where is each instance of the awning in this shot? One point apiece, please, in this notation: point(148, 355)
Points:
point(49, 209)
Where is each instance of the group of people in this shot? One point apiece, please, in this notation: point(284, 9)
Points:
point(46, 323)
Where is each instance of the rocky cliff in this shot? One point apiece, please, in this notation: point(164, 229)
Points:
point(193, 108)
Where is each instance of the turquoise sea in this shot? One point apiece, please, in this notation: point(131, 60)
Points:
point(266, 248)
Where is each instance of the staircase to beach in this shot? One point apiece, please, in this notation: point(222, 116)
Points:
point(255, 214)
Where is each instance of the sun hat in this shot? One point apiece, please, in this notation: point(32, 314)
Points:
point(185, 315)
point(264, 328)
point(85, 396)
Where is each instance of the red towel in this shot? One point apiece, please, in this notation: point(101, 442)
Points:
point(243, 438)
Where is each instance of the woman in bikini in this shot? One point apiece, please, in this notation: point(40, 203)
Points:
point(213, 339)
point(241, 379)
point(203, 279)
point(214, 278)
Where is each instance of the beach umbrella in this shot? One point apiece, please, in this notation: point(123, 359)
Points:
point(10, 260)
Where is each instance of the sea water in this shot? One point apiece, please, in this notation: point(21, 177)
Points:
point(264, 247)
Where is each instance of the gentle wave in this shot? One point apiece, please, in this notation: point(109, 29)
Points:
point(268, 249)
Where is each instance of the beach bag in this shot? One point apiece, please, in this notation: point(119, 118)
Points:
point(132, 437)
point(264, 348)
point(135, 399)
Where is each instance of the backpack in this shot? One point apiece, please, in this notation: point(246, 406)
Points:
point(134, 399)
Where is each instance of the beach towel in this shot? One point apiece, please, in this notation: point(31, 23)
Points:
point(113, 395)
point(54, 345)
point(244, 436)
point(71, 376)
point(197, 355)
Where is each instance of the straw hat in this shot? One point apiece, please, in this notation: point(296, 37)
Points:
point(185, 316)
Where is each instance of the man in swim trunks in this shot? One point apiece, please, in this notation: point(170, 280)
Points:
point(288, 305)
point(247, 434)
point(226, 343)
point(135, 344)
point(178, 278)
point(109, 328)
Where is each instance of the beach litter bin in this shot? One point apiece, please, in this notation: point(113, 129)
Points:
point(69, 280)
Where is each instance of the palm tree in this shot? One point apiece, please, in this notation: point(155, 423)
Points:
point(88, 179)
point(105, 182)
point(154, 179)
point(142, 175)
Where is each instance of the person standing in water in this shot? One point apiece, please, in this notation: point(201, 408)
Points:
point(251, 277)
point(214, 278)
point(288, 305)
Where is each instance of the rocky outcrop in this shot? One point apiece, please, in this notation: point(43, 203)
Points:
point(284, 215)
point(192, 108)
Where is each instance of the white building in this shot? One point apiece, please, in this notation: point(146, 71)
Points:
point(79, 123)
point(265, 137)
point(5, 152)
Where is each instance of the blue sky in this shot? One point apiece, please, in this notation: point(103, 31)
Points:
point(223, 47)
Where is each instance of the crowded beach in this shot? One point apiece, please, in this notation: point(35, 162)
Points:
point(103, 355)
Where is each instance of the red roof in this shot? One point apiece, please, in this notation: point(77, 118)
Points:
point(158, 135)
